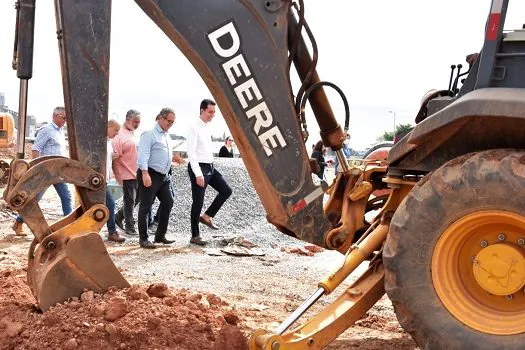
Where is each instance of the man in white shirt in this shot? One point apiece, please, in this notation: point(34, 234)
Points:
point(203, 173)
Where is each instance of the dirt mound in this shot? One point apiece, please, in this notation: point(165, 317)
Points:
point(10, 152)
point(154, 317)
point(380, 323)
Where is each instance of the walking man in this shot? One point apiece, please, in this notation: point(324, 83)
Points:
point(113, 129)
point(125, 169)
point(203, 173)
point(154, 177)
point(50, 141)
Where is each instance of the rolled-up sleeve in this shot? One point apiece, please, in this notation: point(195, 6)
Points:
point(144, 150)
point(116, 143)
point(41, 139)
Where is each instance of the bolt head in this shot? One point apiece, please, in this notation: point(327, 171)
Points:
point(521, 241)
point(96, 181)
point(508, 297)
point(50, 245)
point(501, 237)
point(276, 345)
point(17, 201)
point(99, 215)
point(483, 244)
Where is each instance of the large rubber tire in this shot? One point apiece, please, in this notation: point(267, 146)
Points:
point(378, 145)
point(479, 181)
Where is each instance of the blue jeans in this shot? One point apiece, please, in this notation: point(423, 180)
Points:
point(65, 199)
point(110, 203)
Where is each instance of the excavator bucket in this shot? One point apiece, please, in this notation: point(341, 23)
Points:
point(70, 256)
point(69, 261)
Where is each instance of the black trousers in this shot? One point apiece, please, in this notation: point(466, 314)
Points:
point(160, 188)
point(213, 178)
point(130, 200)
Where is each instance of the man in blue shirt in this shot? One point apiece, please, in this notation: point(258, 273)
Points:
point(154, 177)
point(50, 141)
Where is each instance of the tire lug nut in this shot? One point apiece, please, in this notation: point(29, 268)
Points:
point(484, 244)
point(521, 241)
point(501, 237)
point(508, 297)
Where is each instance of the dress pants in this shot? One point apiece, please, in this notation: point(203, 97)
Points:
point(129, 201)
point(160, 188)
point(213, 178)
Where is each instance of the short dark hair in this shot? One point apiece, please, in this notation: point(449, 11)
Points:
point(318, 146)
point(205, 103)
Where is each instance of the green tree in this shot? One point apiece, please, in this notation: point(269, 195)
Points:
point(389, 135)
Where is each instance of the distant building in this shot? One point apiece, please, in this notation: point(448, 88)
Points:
point(30, 120)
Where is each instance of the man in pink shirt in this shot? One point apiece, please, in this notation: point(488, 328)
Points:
point(125, 170)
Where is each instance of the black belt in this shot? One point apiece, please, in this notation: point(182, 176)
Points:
point(207, 168)
point(154, 172)
point(206, 165)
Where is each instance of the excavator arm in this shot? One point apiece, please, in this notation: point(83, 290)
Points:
point(240, 50)
point(243, 50)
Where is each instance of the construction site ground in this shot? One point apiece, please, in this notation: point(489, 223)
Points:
point(214, 301)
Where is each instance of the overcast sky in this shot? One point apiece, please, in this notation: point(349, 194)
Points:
point(384, 55)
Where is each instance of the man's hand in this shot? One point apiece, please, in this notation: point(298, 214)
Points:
point(178, 159)
point(146, 179)
point(200, 181)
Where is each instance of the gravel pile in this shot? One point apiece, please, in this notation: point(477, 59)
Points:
point(242, 214)
point(242, 211)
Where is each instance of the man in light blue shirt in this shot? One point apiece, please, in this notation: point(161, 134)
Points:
point(154, 177)
point(50, 141)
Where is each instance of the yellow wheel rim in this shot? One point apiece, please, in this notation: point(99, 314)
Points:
point(478, 271)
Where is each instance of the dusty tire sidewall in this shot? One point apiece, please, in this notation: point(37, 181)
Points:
point(482, 181)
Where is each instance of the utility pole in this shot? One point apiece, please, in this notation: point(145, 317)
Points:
point(394, 113)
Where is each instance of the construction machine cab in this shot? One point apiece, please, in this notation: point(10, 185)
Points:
point(473, 117)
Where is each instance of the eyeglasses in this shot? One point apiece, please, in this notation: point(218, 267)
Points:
point(63, 116)
point(169, 121)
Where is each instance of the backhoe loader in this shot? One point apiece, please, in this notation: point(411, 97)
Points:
point(448, 243)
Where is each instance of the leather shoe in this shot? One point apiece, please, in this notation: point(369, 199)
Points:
point(163, 240)
point(198, 240)
point(118, 222)
point(115, 237)
point(147, 245)
point(131, 231)
point(209, 223)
